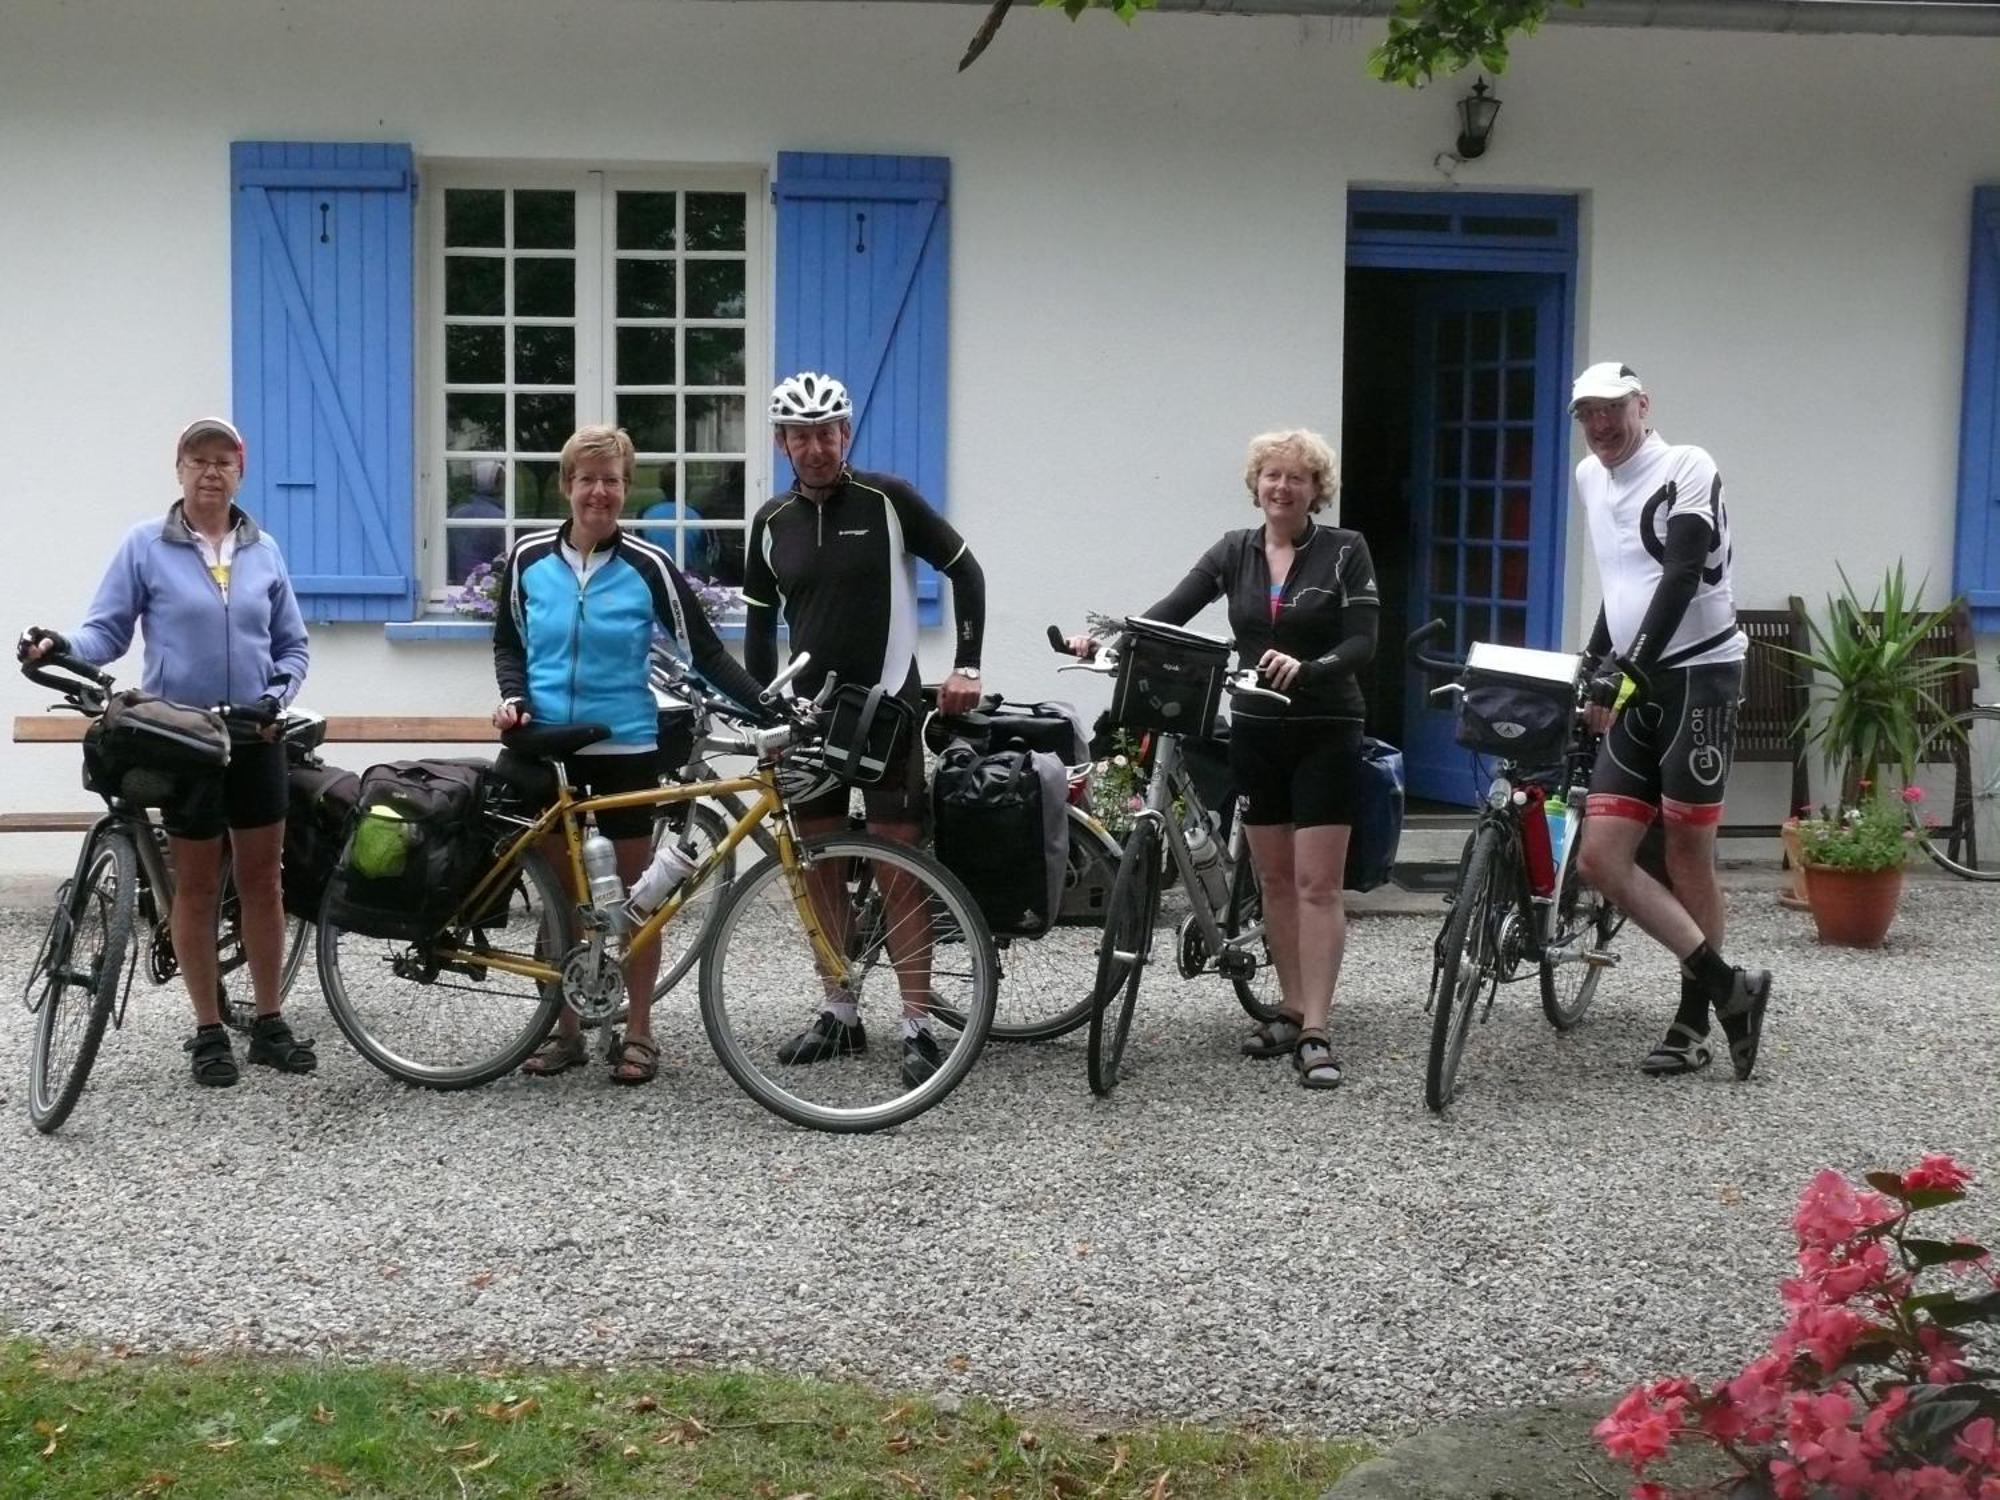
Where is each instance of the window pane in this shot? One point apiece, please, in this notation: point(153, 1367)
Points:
point(1520, 395)
point(1479, 514)
point(1513, 573)
point(1444, 570)
point(1478, 572)
point(1521, 333)
point(544, 356)
point(473, 422)
point(1444, 514)
point(1486, 334)
point(537, 493)
point(1513, 629)
point(1481, 457)
point(476, 286)
point(715, 490)
point(650, 420)
point(646, 356)
point(475, 217)
point(652, 484)
point(542, 424)
point(1448, 453)
point(717, 555)
point(465, 547)
point(544, 220)
point(646, 221)
point(715, 356)
point(545, 287)
point(1486, 395)
point(1514, 516)
point(1520, 453)
point(715, 289)
point(475, 356)
point(715, 221)
point(715, 424)
point(645, 289)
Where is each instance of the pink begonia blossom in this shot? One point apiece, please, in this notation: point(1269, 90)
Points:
point(1831, 1212)
point(1928, 1482)
point(1788, 1481)
point(1975, 1443)
point(1875, 1426)
point(1827, 1448)
point(1936, 1171)
point(1913, 795)
point(1649, 1490)
point(1834, 1276)
point(1634, 1431)
point(1824, 1333)
point(1943, 1355)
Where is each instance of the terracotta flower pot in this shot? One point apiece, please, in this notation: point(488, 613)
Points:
point(1853, 908)
point(1795, 897)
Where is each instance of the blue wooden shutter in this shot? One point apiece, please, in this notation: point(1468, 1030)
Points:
point(322, 257)
point(863, 260)
point(1976, 567)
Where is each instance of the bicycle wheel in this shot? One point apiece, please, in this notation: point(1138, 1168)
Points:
point(1966, 841)
point(1585, 924)
point(1464, 965)
point(459, 1026)
point(904, 921)
point(84, 966)
point(683, 939)
point(1038, 999)
point(1258, 994)
point(1122, 953)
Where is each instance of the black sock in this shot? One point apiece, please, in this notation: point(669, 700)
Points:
point(1693, 1011)
point(210, 1029)
point(1710, 971)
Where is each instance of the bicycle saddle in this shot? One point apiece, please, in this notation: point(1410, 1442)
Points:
point(553, 741)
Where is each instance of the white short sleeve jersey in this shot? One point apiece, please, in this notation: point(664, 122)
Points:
point(1628, 509)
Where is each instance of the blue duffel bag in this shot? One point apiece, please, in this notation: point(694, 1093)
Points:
point(1378, 816)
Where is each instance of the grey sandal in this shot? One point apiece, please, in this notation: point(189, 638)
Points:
point(1684, 1050)
point(1313, 1057)
point(1272, 1038)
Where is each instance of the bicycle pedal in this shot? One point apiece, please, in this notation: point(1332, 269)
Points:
point(1599, 959)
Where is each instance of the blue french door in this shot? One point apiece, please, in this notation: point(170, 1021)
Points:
point(1485, 493)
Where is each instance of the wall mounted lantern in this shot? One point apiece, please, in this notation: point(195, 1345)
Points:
point(1476, 112)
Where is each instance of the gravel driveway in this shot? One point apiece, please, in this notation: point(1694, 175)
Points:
point(1213, 1243)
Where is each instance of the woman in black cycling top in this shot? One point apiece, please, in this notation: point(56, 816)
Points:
point(1304, 609)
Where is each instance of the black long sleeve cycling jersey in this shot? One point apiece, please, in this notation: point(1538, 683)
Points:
point(1327, 614)
point(843, 570)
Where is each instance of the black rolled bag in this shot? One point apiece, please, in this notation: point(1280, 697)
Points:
point(1002, 827)
point(413, 848)
point(322, 799)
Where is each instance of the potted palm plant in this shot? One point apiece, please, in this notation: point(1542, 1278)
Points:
point(1876, 696)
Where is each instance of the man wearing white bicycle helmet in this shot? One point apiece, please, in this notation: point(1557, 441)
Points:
point(837, 553)
point(1660, 531)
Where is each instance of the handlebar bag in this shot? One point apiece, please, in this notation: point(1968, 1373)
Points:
point(865, 727)
point(1002, 827)
point(412, 851)
point(1517, 702)
point(1169, 680)
point(142, 747)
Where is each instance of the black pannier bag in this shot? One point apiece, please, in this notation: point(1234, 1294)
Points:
point(1055, 728)
point(143, 746)
point(413, 848)
point(1517, 702)
point(321, 799)
point(1002, 827)
point(865, 728)
point(1378, 816)
point(1169, 679)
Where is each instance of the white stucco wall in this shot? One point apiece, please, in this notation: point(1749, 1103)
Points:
point(1147, 258)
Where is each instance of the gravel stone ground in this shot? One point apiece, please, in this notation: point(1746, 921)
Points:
point(1212, 1244)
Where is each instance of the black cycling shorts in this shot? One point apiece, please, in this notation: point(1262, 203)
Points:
point(607, 776)
point(1304, 774)
point(1671, 754)
point(251, 791)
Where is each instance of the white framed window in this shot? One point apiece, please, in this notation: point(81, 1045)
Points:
point(558, 297)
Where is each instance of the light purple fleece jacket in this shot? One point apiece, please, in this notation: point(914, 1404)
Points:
point(201, 648)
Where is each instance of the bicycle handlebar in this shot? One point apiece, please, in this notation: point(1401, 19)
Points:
point(1242, 683)
point(1430, 661)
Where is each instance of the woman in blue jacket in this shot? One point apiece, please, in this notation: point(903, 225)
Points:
point(578, 609)
point(208, 591)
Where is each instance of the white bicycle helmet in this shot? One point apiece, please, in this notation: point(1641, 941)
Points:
point(809, 400)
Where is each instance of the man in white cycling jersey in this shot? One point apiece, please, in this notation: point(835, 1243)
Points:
point(1660, 532)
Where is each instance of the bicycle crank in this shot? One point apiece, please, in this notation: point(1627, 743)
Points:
point(1191, 951)
point(592, 981)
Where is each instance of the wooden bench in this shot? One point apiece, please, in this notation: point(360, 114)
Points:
point(350, 729)
point(1776, 690)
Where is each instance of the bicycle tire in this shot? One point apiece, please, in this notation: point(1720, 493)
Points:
point(1122, 954)
point(1038, 971)
point(1585, 916)
point(1455, 991)
point(375, 1004)
point(761, 940)
point(1975, 853)
point(1246, 907)
point(83, 997)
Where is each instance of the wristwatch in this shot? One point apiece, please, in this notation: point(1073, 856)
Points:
point(971, 674)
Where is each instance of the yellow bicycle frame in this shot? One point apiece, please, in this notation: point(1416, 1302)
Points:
point(761, 786)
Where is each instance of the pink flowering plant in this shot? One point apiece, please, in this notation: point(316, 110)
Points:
point(1877, 833)
point(1873, 1390)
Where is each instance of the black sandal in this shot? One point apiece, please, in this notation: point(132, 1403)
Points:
point(1683, 1050)
point(213, 1062)
point(272, 1045)
point(1320, 1069)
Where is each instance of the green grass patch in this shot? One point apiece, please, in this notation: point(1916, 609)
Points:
point(77, 1424)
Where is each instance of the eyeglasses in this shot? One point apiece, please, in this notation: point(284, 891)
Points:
point(209, 465)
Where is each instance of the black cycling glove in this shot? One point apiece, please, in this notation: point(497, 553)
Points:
point(35, 634)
